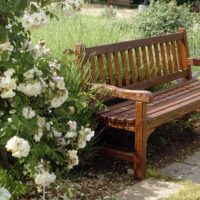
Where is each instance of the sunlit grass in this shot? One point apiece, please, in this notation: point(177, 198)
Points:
point(66, 32)
point(89, 30)
point(190, 191)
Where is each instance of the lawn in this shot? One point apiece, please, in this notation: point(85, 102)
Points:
point(66, 31)
point(89, 30)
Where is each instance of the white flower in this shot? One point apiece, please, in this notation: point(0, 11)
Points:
point(48, 126)
point(60, 84)
point(85, 134)
point(60, 99)
point(9, 72)
point(71, 110)
point(34, 21)
point(54, 64)
point(30, 89)
point(7, 94)
point(28, 113)
point(4, 194)
point(72, 125)
point(7, 85)
point(18, 147)
point(6, 47)
point(44, 178)
point(38, 135)
point(89, 134)
point(71, 134)
point(41, 122)
point(57, 133)
point(40, 50)
point(28, 46)
point(30, 73)
point(73, 159)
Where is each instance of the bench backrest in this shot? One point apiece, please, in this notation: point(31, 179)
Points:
point(139, 63)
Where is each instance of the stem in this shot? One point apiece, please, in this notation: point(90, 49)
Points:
point(43, 198)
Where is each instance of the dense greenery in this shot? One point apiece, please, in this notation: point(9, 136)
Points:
point(163, 17)
point(46, 103)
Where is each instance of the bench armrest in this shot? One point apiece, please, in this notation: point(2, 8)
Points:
point(193, 61)
point(136, 95)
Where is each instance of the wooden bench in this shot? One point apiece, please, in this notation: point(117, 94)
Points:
point(127, 70)
point(128, 3)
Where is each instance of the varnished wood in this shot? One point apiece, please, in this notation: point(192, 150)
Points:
point(131, 65)
point(140, 141)
point(110, 71)
point(169, 59)
point(118, 154)
point(150, 62)
point(101, 68)
point(185, 52)
point(163, 59)
point(124, 64)
point(117, 67)
point(139, 66)
point(193, 61)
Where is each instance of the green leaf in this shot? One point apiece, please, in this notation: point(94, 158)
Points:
point(3, 34)
point(20, 4)
point(4, 6)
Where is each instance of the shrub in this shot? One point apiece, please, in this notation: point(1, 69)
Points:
point(108, 12)
point(162, 17)
point(46, 104)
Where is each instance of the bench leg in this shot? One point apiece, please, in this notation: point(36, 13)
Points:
point(140, 141)
point(140, 155)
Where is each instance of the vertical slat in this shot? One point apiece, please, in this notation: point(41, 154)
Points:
point(174, 55)
point(109, 65)
point(151, 62)
point(124, 65)
point(94, 72)
point(179, 54)
point(101, 68)
point(116, 60)
point(163, 60)
point(138, 63)
point(145, 64)
point(157, 60)
point(169, 59)
point(185, 52)
point(131, 65)
point(79, 51)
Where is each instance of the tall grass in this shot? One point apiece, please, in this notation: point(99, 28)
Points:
point(65, 32)
point(89, 30)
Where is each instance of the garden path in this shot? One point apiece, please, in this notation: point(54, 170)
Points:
point(153, 189)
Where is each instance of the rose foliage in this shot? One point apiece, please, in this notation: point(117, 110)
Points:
point(46, 104)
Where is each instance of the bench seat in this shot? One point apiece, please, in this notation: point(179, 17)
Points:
point(171, 100)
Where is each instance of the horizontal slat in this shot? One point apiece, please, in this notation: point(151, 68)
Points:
point(125, 113)
point(158, 80)
point(118, 154)
point(122, 46)
point(174, 112)
point(156, 96)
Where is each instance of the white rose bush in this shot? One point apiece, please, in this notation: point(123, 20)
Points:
point(46, 104)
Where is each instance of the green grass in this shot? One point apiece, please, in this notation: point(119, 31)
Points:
point(89, 30)
point(190, 191)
